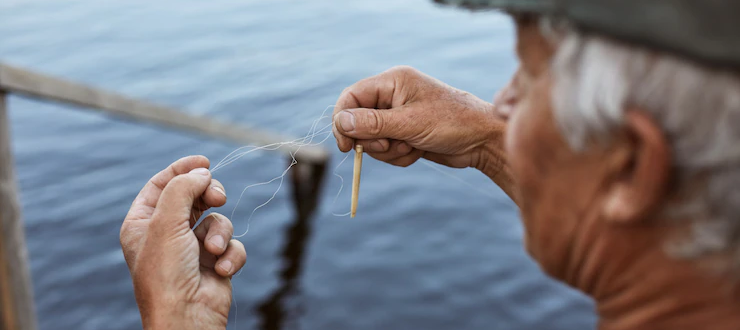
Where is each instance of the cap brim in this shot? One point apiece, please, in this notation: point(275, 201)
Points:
point(705, 30)
point(538, 6)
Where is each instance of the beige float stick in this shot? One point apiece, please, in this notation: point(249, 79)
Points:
point(356, 179)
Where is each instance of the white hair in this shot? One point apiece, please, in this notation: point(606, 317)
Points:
point(698, 108)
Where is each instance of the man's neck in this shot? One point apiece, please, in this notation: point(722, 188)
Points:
point(636, 285)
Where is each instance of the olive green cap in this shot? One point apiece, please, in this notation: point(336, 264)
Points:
point(705, 30)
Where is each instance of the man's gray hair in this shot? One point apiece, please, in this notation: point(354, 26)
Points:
point(698, 108)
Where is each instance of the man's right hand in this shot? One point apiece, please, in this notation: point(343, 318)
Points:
point(402, 115)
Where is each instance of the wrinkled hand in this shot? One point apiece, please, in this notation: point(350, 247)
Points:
point(181, 276)
point(402, 115)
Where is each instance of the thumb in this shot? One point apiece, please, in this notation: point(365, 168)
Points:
point(366, 124)
point(175, 205)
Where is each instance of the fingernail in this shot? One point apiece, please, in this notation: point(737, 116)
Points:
point(201, 171)
point(376, 146)
point(346, 121)
point(217, 240)
point(219, 190)
point(225, 266)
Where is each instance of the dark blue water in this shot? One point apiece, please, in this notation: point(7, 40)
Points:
point(425, 252)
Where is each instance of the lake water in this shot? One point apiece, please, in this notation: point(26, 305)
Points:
point(425, 252)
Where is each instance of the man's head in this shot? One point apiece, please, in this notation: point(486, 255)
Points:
point(619, 148)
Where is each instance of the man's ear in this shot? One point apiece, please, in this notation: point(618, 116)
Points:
point(641, 181)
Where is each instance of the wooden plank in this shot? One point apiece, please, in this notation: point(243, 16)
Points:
point(16, 303)
point(35, 85)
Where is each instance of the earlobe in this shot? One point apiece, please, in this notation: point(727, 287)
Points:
point(505, 100)
point(642, 185)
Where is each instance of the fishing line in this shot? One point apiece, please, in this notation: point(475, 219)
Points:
point(308, 140)
point(341, 186)
point(236, 306)
point(324, 133)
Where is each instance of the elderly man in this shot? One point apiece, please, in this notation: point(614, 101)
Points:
point(615, 137)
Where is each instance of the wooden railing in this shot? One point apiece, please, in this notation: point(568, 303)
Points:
point(16, 301)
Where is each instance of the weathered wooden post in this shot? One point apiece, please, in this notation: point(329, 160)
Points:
point(16, 303)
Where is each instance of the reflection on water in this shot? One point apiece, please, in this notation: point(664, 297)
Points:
point(425, 252)
point(277, 308)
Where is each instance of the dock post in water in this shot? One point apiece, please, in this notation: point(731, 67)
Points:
point(16, 303)
point(277, 310)
point(307, 178)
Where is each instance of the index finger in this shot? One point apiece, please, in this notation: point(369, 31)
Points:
point(376, 92)
point(146, 201)
point(373, 92)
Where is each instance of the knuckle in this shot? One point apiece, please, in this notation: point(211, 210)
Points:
point(180, 180)
point(373, 122)
point(184, 183)
point(342, 99)
point(405, 73)
point(347, 99)
point(402, 69)
point(220, 224)
point(198, 159)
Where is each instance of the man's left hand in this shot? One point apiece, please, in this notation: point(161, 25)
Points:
point(181, 276)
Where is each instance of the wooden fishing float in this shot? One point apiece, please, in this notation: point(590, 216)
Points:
point(356, 179)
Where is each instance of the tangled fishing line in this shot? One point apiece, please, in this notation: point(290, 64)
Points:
point(320, 134)
point(323, 133)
